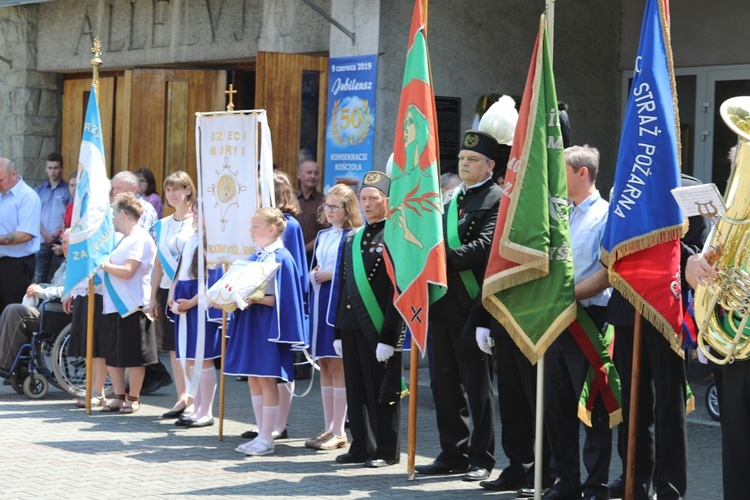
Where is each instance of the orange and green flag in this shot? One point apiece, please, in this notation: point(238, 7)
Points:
point(528, 285)
point(415, 255)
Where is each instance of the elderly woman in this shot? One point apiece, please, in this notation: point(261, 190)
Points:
point(127, 288)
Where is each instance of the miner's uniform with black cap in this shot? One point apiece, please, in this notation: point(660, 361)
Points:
point(464, 401)
point(373, 388)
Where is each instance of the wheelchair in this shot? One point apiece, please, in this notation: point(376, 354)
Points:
point(44, 359)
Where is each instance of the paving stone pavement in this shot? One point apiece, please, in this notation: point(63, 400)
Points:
point(49, 448)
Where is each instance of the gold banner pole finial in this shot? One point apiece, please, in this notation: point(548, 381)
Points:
point(230, 93)
point(96, 61)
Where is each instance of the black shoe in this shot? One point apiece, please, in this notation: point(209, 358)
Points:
point(528, 492)
point(252, 434)
point(348, 458)
point(476, 473)
point(374, 463)
point(152, 385)
point(183, 422)
point(173, 414)
point(554, 494)
point(502, 484)
point(280, 435)
point(192, 424)
point(438, 467)
point(617, 488)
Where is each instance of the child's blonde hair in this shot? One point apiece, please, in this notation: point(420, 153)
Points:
point(273, 217)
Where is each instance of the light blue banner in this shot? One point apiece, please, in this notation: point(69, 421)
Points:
point(350, 126)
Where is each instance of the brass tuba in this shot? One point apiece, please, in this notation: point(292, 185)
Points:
point(721, 308)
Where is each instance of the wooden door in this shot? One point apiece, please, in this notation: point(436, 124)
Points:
point(76, 91)
point(161, 127)
point(148, 117)
point(279, 90)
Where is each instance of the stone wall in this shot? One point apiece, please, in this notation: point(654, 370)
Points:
point(30, 101)
point(158, 32)
point(477, 48)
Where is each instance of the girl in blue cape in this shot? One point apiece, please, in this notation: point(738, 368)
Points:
point(262, 338)
point(340, 210)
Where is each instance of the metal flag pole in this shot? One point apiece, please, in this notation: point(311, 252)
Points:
point(96, 61)
point(539, 420)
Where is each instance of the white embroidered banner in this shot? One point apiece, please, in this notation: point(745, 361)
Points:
point(235, 177)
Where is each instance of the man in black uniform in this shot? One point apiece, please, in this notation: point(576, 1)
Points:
point(661, 450)
point(369, 334)
point(463, 377)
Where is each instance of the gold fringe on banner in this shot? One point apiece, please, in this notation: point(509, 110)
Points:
point(648, 312)
point(532, 351)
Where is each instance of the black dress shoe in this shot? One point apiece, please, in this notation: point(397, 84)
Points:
point(182, 422)
point(173, 414)
point(280, 435)
point(502, 484)
point(476, 473)
point(374, 463)
point(192, 424)
point(438, 467)
point(251, 434)
point(617, 488)
point(348, 458)
point(528, 492)
point(554, 494)
point(152, 385)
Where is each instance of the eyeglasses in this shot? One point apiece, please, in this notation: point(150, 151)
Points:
point(332, 208)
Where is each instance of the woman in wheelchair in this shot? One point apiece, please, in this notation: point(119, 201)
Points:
point(18, 322)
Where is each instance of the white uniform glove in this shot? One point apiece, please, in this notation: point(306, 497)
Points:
point(383, 352)
point(337, 347)
point(484, 341)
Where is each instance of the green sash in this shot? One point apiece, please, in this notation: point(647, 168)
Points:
point(363, 285)
point(470, 282)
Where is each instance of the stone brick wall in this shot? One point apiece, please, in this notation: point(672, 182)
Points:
point(30, 101)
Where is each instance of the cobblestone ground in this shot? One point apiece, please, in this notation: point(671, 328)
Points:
point(50, 449)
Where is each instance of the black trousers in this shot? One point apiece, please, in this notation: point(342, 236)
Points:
point(516, 397)
point(16, 274)
point(564, 374)
point(662, 426)
point(375, 426)
point(735, 434)
point(463, 394)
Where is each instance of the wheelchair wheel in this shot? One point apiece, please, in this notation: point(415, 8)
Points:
point(16, 382)
point(712, 402)
point(35, 386)
point(70, 371)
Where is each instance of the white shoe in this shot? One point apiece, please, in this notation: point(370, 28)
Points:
point(244, 446)
point(259, 448)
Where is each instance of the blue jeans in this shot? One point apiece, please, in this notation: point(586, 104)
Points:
point(46, 263)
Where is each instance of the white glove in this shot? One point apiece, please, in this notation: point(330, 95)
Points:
point(337, 347)
point(383, 352)
point(484, 341)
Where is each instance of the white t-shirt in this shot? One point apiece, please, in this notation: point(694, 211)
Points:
point(138, 246)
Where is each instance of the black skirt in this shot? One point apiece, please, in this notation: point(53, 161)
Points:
point(77, 341)
point(167, 326)
point(129, 341)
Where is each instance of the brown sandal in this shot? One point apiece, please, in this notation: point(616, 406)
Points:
point(115, 405)
point(132, 406)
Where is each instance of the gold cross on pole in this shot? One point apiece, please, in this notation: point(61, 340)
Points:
point(230, 92)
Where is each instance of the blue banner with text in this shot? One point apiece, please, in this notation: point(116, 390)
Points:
point(350, 125)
